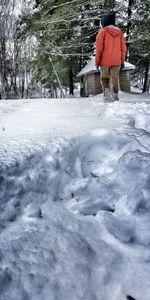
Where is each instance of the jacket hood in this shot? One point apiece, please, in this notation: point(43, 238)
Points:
point(112, 30)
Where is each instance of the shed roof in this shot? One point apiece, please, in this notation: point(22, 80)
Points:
point(90, 67)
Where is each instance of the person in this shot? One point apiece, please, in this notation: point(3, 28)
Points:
point(110, 56)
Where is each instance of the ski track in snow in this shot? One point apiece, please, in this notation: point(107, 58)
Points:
point(74, 200)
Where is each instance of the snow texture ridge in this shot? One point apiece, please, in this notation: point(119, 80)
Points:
point(74, 209)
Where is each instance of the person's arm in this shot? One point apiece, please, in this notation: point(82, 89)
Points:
point(123, 49)
point(99, 47)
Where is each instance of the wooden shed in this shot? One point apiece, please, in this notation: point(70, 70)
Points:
point(90, 79)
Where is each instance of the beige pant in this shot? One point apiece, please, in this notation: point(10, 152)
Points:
point(110, 78)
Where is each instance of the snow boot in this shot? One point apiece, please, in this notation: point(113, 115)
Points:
point(114, 96)
point(107, 96)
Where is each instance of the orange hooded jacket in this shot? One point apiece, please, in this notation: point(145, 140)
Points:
point(110, 47)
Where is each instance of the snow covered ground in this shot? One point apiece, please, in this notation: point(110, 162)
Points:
point(75, 199)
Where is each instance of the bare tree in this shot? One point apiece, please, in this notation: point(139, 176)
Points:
point(14, 54)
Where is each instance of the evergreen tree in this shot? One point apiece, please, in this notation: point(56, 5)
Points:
point(140, 39)
point(66, 33)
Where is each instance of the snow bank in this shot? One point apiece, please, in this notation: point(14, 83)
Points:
point(74, 203)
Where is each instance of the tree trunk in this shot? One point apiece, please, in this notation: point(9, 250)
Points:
point(146, 79)
point(3, 67)
point(71, 84)
point(22, 84)
point(130, 4)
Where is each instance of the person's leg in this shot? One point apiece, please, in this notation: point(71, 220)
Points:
point(114, 75)
point(105, 76)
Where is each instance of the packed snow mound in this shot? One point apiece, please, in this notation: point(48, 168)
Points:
point(75, 212)
point(102, 166)
point(54, 253)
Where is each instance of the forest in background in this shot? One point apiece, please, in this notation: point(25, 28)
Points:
point(45, 43)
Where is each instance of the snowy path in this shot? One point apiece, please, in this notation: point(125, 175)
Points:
point(25, 125)
point(74, 199)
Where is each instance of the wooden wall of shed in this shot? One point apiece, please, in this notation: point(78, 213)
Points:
point(124, 79)
point(93, 85)
point(90, 85)
point(98, 86)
